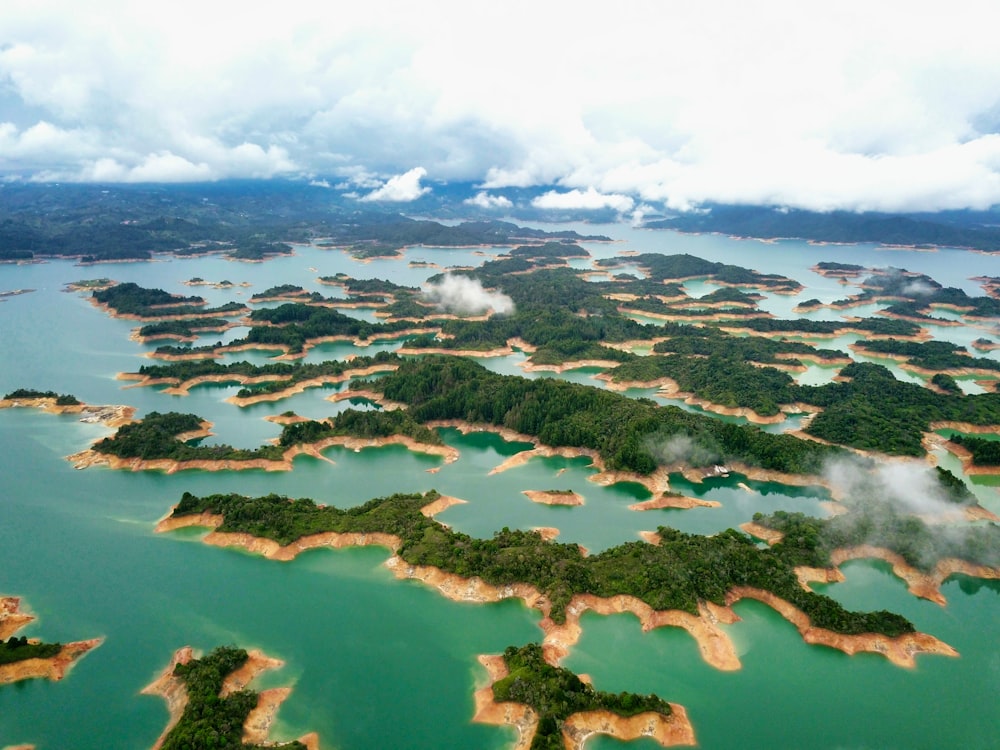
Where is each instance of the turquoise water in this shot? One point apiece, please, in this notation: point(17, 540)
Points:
point(380, 663)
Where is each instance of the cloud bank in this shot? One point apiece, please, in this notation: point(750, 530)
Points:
point(888, 106)
point(462, 295)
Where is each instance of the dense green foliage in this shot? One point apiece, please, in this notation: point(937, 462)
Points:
point(809, 541)
point(874, 411)
point(62, 399)
point(210, 721)
point(984, 452)
point(711, 341)
point(284, 374)
point(182, 328)
point(678, 267)
point(155, 437)
point(556, 693)
point(626, 432)
point(932, 355)
point(360, 424)
point(726, 381)
point(681, 571)
point(19, 649)
point(131, 299)
point(806, 327)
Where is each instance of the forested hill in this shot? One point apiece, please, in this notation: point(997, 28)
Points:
point(978, 231)
point(245, 219)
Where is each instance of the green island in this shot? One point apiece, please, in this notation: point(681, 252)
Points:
point(161, 437)
point(555, 694)
point(61, 399)
point(933, 356)
point(678, 573)
point(211, 719)
point(270, 378)
point(131, 300)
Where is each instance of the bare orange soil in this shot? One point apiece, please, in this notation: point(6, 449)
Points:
point(53, 668)
point(553, 497)
point(109, 416)
point(669, 731)
point(257, 726)
point(670, 500)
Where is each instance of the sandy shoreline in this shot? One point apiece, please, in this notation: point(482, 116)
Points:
point(714, 643)
point(109, 416)
point(89, 457)
point(12, 619)
point(257, 726)
point(553, 497)
point(669, 731)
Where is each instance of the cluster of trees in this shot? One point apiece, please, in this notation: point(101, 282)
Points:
point(874, 411)
point(728, 381)
point(556, 693)
point(62, 399)
point(131, 299)
point(360, 424)
point(681, 571)
point(661, 267)
point(984, 452)
point(155, 437)
point(809, 541)
point(19, 649)
point(806, 327)
point(709, 341)
point(931, 355)
point(184, 328)
point(210, 721)
point(626, 432)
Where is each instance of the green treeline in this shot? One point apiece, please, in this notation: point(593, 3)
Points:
point(871, 411)
point(19, 649)
point(155, 437)
point(185, 328)
point(360, 424)
point(62, 399)
point(683, 266)
point(806, 327)
point(556, 693)
point(932, 355)
point(210, 721)
point(286, 373)
point(874, 411)
point(131, 299)
point(809, 541)
point(984, 452)
point(709, 341)
point(678, 573)
point(292, 325)
point(723, 380)
point(626, 432)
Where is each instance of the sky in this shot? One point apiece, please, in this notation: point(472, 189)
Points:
point(889, 106)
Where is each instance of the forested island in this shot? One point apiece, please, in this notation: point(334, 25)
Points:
point(659, 575)
point(211, 706)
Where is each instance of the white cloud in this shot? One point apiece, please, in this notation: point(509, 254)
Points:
point(585, 199)
point(402, 188)
point(483, 199)
point(465, 296)
point(788, 103)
